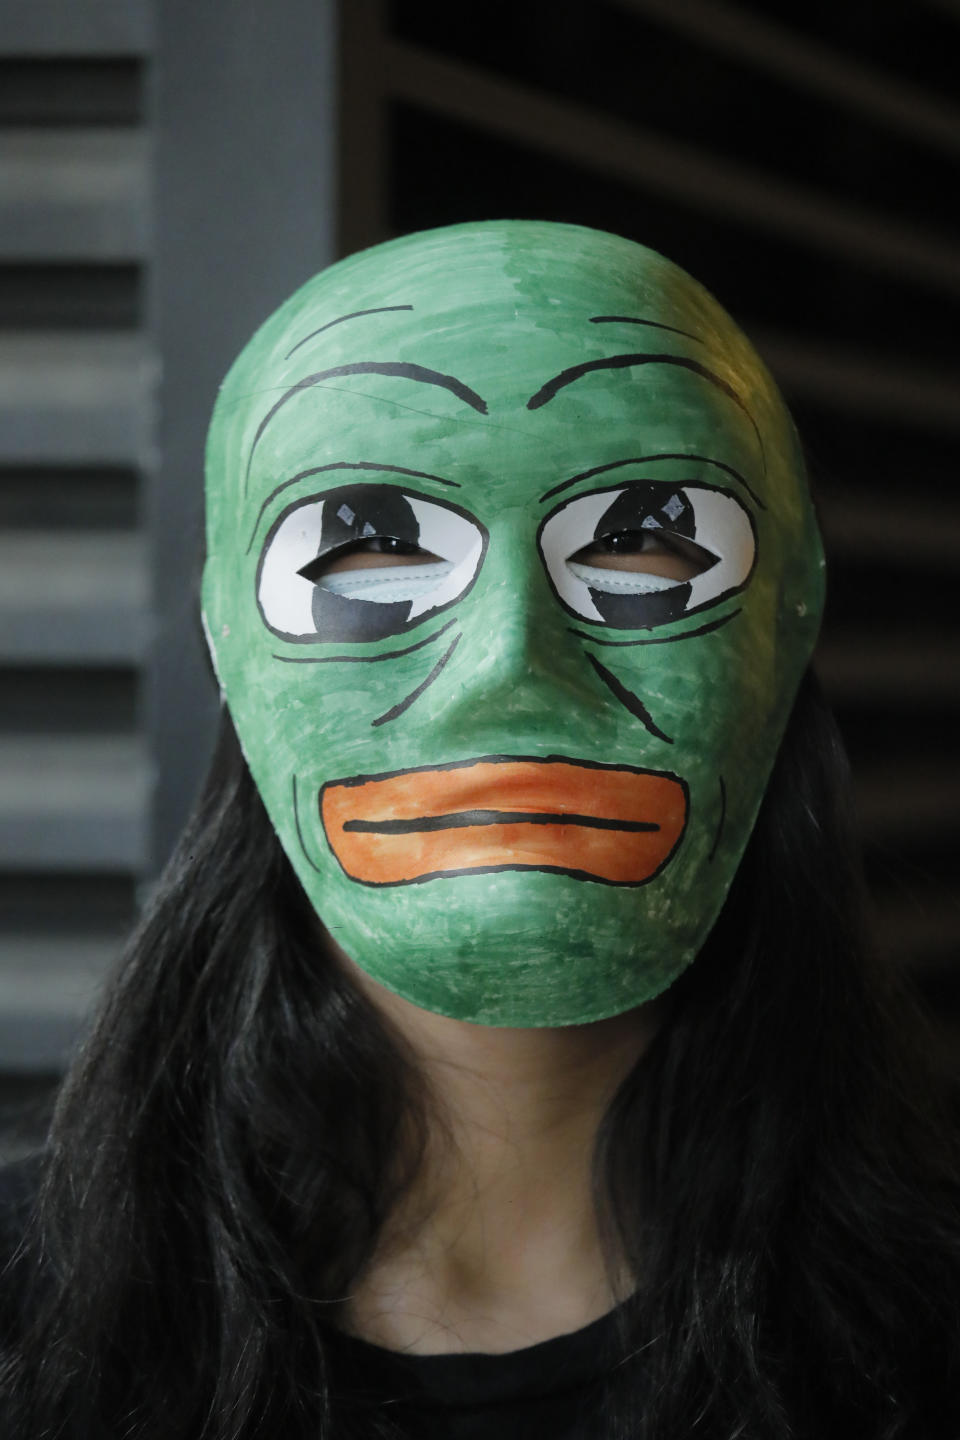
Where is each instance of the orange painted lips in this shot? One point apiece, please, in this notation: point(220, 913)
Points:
point(597, 822)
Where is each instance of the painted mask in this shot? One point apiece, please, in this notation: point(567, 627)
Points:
point(512, 575)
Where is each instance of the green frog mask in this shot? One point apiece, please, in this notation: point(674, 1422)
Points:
point(512, 576)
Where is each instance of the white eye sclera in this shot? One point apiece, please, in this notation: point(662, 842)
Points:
point(363, 604)
point(713, 520)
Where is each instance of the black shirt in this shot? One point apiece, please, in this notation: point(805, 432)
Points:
point(550, 1391)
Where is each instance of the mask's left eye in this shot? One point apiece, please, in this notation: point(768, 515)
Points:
point(365, 561)
point(647, 553)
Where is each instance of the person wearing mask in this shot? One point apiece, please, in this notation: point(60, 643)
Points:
point(501, 1054)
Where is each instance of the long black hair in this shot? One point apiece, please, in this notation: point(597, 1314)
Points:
point(778, 1169)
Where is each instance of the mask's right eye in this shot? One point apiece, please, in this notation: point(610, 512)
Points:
point(363, 562)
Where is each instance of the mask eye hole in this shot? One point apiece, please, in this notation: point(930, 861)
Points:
point(375, 553)
point(647, 553)
point(362, 562)
point(645, 559)
point(380, 560)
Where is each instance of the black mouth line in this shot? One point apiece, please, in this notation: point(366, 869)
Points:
point(465, 819)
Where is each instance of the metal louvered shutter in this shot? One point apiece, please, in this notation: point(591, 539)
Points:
point(165, 180)
point(77, 419)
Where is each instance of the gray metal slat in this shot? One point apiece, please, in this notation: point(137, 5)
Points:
point(813, 65)
point(69, 399)
point(74, 803)
point(48, 985)
point(946, 7)
point(68, 28)
point(857, 382)
point(872, 668)
point(661, 164)
point(920, 925)
point(72, 194)
point(74, 598)
point(883, 530)
point(894, 805)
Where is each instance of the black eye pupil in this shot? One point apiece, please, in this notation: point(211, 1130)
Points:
point(625, 542)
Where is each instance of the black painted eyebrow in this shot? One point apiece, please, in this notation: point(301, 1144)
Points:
point(647, 460)
point(342, 465)
point(634, 320)
point(406, 370)
point(354, 315)
point(624, 362)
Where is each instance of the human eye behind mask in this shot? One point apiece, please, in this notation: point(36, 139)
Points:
point(639, 561)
